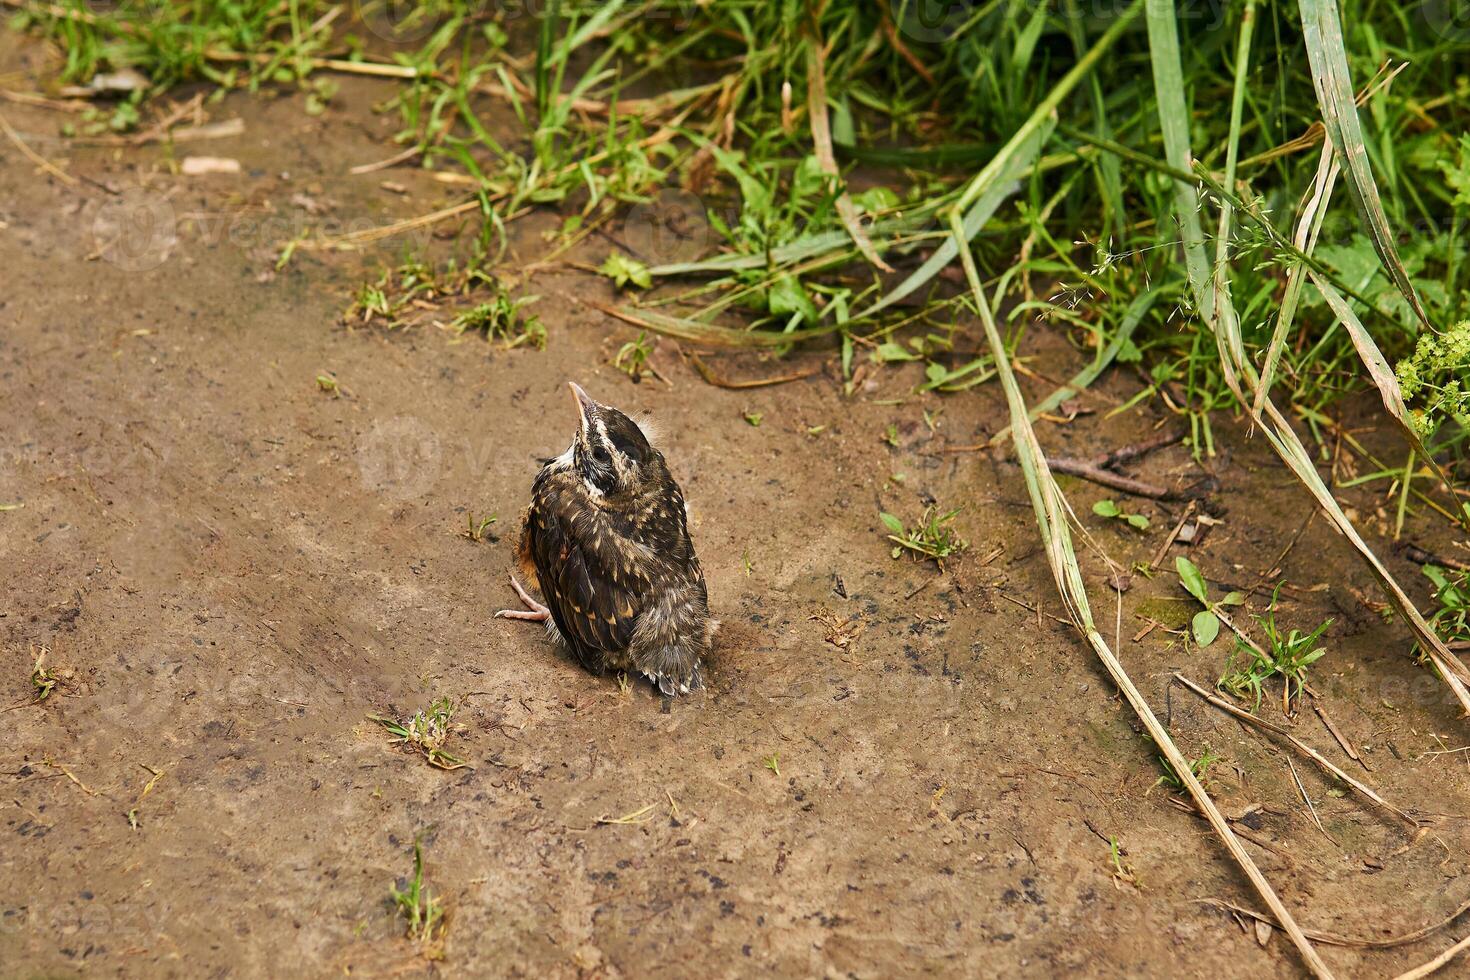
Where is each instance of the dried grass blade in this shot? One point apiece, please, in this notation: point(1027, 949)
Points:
point(1327, 55)
point(816, 74)
point(1308, 227)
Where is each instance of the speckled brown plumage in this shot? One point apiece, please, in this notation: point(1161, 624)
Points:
point(606, 539)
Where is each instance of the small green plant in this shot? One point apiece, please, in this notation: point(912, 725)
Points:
point(43, 679)
point(475, 530)
point(1122, 870)
point(1205, 626)
point(890, 435)
point(754, 419)
point(501, 317)
point(426, 732)
point(623, 270)
point(371, 301)
point(1289, 656)
point(773, 762)
point(1108, 508)
point(423, 913)
point(1200, 767)
point(933, 537)
point(632, 357)
point(1452, 595)
point(329, 384)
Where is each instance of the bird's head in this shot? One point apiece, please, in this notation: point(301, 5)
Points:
point(611, 451)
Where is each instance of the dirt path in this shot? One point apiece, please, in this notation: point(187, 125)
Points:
point(239, 568)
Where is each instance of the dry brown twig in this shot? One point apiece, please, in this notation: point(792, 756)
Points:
point(1299, 745)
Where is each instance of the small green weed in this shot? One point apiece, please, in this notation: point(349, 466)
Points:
point(501, 317)
point(1122, 870)
point(475, 530)
point(624, 272)
point(1109, 508)
point(933, 537)
point(773, 762)
point(1205, 626)
point(1200, 767)
point(43, 679)
point(1289, 655)
point(421, 910)
point(426, 732)
point(1451, 620)
point(632, 357)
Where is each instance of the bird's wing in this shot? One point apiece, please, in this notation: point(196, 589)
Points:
point(593, 596)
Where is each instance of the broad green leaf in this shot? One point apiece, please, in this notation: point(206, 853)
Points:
point(1205, 626)
point(1106, 508)
point(892, 523)
point(1191, 579)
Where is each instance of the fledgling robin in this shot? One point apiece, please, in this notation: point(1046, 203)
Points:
point(606, 538)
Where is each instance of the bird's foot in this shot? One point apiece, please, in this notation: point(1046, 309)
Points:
point(534, 611)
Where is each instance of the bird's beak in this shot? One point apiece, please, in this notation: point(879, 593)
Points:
point(585, 404)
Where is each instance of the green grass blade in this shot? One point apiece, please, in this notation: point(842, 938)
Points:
point(1020, 157)
point(710, 333)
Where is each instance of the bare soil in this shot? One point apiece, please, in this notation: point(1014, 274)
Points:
point(232, 569)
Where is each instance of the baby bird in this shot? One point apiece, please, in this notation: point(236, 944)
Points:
point(606, 539)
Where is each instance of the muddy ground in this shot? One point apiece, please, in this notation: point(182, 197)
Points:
point(232, 569)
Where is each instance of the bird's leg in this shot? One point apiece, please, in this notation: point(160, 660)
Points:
point(537, 612)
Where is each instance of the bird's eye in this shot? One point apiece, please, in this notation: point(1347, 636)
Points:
point(599, 455)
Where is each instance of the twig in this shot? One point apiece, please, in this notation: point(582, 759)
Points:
point(41, 101)
point(1115, 481)
point(1419, 556)
point(35, 157)
point(708, 374)
point(1348, 942)
point(1347, 746)
point(1308, 801)
point(1137, 450)
point(1297, 743)
point(1168, 542)
point(393, 161)
point(1439, 961)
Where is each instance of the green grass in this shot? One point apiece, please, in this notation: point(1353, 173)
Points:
point(1199, 768)
point(934, 536)
point(422, 911)
point(910, 109)
point(426, 733)
point(1286, 654)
